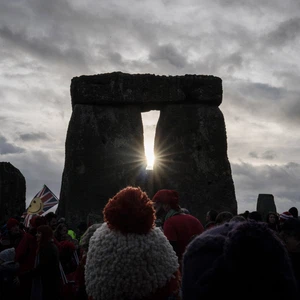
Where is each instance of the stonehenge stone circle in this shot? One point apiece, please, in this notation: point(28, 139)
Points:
point(105, 144)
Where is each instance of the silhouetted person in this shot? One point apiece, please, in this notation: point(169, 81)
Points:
point(294, 212)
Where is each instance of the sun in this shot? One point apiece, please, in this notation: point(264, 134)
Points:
point(149, 152)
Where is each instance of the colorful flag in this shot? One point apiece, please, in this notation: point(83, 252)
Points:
point(40, 204)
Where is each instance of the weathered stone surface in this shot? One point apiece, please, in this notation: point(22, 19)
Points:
point(147, 90)
point(104, 153)
point(12, 191)
point(265, 204)
point(191, 157)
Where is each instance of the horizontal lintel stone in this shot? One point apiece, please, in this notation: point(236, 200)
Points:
point(146, 89)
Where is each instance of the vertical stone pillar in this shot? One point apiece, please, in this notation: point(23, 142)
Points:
point(12, 191)
point(104, 153)
point(191, 157)
point(265, 204)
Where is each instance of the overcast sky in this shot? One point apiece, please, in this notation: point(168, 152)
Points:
point(252, 45)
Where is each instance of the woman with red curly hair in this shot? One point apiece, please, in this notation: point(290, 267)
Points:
point(128, 257)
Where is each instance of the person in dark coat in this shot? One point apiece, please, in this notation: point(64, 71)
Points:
point(290, 234)
point(11, 234)
point(236, 259)
point(9, 281)
point(46, 274)
point(25, 256)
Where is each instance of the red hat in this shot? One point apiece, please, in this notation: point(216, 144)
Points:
point(11, 223)
point(170, 197)
point(285, 216)
point(37, 221)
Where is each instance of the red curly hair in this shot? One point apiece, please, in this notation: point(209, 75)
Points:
point(130, 211)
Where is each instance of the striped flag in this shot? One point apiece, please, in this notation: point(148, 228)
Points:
point(41, 203)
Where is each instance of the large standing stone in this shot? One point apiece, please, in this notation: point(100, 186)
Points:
point(12, 191)
point(265, 204)
point(191, 157)
point(104, 153)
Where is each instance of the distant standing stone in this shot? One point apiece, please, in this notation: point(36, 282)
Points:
point(12, 191)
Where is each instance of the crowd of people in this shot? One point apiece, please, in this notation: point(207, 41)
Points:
point(152, 249)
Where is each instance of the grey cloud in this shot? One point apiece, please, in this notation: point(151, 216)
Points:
point(253, 154)
point(287, 32)
point(280, 180)
point(170, 54)
point(267, 155)
point(43, 47)
point(8, 148)
point(32, 137)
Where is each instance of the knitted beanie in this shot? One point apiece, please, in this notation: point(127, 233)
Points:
point(285, 216)
point(170, 197)
point(129, 258)
point(247, 255)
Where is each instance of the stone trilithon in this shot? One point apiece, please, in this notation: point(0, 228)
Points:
point(105, 150)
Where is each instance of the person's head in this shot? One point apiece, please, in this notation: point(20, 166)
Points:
point(61, 232)
point(37, 221)
point(129, 238)
point(272, 218)
point(294, 211)
point(13, 226)
point(290, 234)
point(255, 216)
point(85, 239)
point(7, 255)
point(223, 217)
point(44, 235)
point(164, 200)
point(247, 253)
point(284, 216)
point(82, 227)
point(51, 218)
point(238, 219)
point(211, 215)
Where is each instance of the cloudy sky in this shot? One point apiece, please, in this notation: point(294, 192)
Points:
point(252, 45)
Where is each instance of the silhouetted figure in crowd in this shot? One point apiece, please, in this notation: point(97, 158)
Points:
point(284, 217)
point(51, 218)
point(245, 214)
point(79, 275)
point(179, 228)
point(238, 219)
point(272, 220)
point(11, 234)
point(290, 234)
point(26, 255)
point(46, 273)
point(244, 260)
point(61, 233)
point(9, 281)
point(210, 219)
point(255, 216)
point(294, 212)
point(223, 217)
